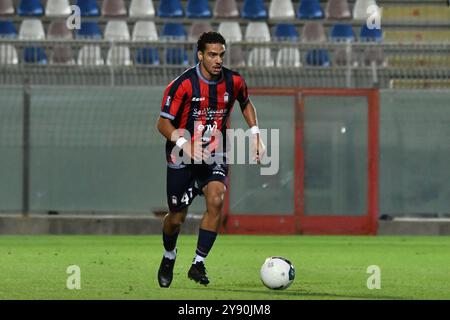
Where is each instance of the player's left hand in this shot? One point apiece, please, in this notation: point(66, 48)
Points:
point(259, 149)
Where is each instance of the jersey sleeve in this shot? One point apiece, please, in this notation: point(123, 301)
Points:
point(242, 96)
point(172, 100)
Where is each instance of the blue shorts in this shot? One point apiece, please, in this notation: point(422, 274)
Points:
point(185, 183)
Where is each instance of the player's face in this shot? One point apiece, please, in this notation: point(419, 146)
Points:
point(211, 59)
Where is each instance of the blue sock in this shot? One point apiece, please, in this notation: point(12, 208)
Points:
point(170, 242)
point(205, 242)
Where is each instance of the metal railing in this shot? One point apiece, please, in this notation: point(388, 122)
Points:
point(269, 64)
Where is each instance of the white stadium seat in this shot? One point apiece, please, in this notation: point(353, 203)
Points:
point(145, 31)
point(142, 8)
point(281, 9)
point(55, 8)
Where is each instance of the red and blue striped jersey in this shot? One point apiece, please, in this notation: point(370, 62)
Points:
point(191, 98)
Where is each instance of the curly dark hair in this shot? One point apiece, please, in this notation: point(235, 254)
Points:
point(209, 37)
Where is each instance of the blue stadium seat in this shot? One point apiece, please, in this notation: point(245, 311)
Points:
point(7, 29)
point(88, 8)
point(318, 57)
point(371, 35)
point(147, 56)
point(89, 29)
point(34, 55)
point(30, 8)
point(198, 9)
point(254, 9)
point(286, 31)
point(177, 56)
point(173, 30)
point(342, 32)
point(170, 9)
point(310, 9)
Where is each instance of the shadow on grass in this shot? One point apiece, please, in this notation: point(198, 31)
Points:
point(302, 294)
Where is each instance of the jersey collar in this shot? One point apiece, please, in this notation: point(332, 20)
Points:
point(199, 73)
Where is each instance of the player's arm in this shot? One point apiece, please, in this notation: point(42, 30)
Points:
point(173, 99)
point(249, 113)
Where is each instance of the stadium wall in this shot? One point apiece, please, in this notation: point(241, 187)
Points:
point(96, 150)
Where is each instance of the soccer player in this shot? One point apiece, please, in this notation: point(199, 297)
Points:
point(203, 96)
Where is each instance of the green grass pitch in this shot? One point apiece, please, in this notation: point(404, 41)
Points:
point(125, 267)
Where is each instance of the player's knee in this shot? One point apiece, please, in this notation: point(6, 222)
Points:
point(177, 220)
point(216, 201)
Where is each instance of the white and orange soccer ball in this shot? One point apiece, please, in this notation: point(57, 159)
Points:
point(277, 273)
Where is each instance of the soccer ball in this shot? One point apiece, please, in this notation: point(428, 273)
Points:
point(277, 273)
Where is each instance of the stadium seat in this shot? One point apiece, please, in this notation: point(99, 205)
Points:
point(147, 56)
point(114, 8)
point(226, 9)
point(310, 9)
point(235, 56)
point(281, 9)
point(342, 32)
point(55, 8)
point(31, 29)
point(257, 32)
point(142, 8)
point(8, 54)
point(117, 30)
point(370, 35)
point(6, 8)
point(230, 30)
point(318, 57)
point(177, 55)
point(170, 9)
point(198, 9)
point(313, 31)
point(119, 56)
point(286, 31)
point(34, 55)
point(90, 55)
point(59, 30)
point(60, 54)
point(344, 56)
point(337, 9)
point(88, 8)
point(360, 9)
point(7, 29)
point(196, 30)
point(260, 57)
point(254, 9)
point(30, 8)
point(89, 30)
point(173, 31)
point(374, 56)
point(288, 57)
point(146, 31)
